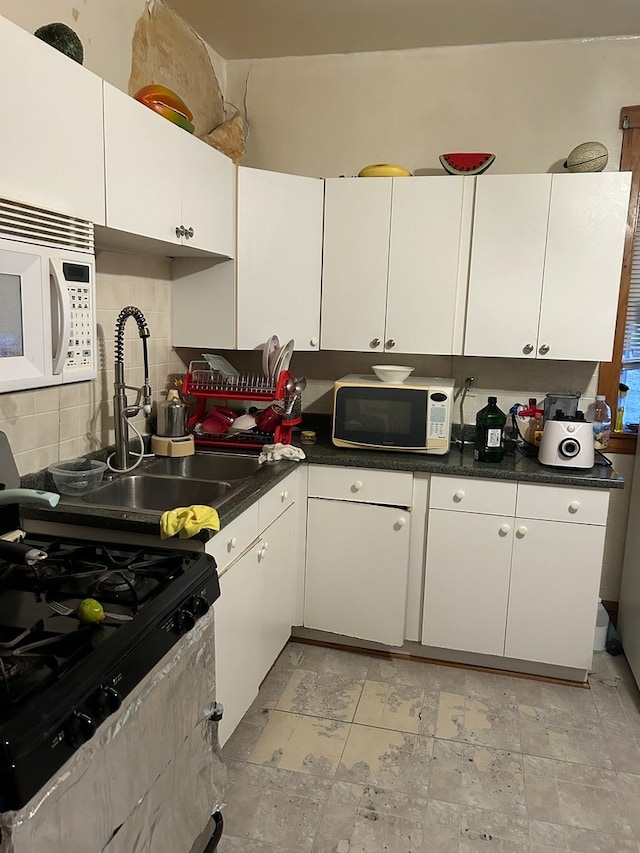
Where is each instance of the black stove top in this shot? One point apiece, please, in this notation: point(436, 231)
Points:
point(59, 676)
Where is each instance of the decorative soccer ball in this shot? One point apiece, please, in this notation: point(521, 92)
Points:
point(587, 157)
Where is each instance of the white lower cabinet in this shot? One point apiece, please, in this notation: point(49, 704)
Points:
point(253, 615)
point(523, 584)
point(357, 553)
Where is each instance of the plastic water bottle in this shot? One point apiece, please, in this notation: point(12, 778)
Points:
point(601, 422)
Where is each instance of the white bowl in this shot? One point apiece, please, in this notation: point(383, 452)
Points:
point(392, 372)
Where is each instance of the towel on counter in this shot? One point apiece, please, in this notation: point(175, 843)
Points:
point(275, 452)
point(188, 520)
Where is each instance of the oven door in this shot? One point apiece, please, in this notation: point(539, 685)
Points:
point(25, 320)
point(386, 418)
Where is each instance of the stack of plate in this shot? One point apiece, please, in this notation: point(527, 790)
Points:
point(275, 358)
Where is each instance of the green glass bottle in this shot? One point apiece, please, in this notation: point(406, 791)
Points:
point(490, 423)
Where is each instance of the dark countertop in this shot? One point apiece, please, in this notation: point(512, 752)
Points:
point(458, 463)
point(455, 463)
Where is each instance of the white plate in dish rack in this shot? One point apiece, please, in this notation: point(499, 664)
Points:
point(282, 359)
point(271, 347)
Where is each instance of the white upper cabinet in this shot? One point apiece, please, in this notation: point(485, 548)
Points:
point(51, 143)
point(357, 224)
point(279, 258)
point(545, 265)
point(162, 183)
point(395, 258)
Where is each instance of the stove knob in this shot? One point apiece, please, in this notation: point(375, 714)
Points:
point(106, 701)
point(79, 728)
point(198, 606)
point(183, 621)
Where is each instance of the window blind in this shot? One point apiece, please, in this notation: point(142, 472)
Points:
point(631, 352)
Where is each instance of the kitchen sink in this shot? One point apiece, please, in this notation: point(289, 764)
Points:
point(139, 491)
point(209, 466)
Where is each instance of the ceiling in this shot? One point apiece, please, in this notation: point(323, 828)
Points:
point(266, 28)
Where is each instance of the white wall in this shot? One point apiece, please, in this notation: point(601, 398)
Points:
point(105, 29)
point(529, 103)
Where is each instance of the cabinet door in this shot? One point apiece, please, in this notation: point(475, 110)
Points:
point(428, 264)
point(356, 254)
point(507, 264)
point(208, 185)
point(279, 258)
point(275, 565)
point(466, 581)
point(142, 168)
point(555, 578)
point(587, 227)
point(51, 143)
point(238, 637)
point(356, 582)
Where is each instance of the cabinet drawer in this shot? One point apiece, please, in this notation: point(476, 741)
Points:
point(470, 495)
point(563, 503)
point(230, 542)
point(277, 500)
point(364, 485)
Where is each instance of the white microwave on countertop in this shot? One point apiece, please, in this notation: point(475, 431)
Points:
point(412, 416)
point(47, 285)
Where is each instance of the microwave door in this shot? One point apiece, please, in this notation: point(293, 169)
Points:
point(24, 321)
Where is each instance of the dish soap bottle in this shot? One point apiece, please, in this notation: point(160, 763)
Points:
point(490, 423)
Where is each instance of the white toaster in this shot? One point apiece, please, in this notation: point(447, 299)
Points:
point(567, 444)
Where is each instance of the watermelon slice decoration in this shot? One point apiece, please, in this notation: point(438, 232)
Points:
point(466, 164)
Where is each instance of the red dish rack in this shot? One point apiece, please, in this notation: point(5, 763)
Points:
point(205, 384)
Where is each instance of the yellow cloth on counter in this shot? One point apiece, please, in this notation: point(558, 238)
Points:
point(188, 520)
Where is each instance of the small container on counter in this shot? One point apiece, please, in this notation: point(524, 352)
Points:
point(307, 436)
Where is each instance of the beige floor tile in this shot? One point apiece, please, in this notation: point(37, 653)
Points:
point(443, 813)
point(320, 659)
point(494, 830)
point(445, 782)
point(390, 706)
point(493, 779)
point(584, 746)
point(450, 722)
point(545, 835)
point(441, 839)
point(630, 789)
point(378, 819)
point(321, 694)
point(395, 760)
point(245, 845)
point(542, 799)
point(625, 753)
point(587, 807)
point(305, 744)
point(588, 841)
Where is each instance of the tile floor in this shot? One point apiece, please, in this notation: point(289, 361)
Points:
point(348, 753)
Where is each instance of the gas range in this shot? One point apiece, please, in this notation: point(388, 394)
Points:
point(61, 677)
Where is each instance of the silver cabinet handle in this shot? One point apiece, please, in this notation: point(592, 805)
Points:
point(390, 343)
point(527, 348)
point(375, 343)
point(180, 231)
point(188, 232)
point(544, 349)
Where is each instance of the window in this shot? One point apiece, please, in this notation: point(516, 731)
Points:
point(625, 364)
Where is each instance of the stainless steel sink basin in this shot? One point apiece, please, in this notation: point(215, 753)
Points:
point(210, 466)
point(138, 491)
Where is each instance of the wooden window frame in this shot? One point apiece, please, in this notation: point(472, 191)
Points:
point(609, 376)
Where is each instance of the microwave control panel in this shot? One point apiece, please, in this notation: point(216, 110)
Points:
point(438, 415)
point(82, 339)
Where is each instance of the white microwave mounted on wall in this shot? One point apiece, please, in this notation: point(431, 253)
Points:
point(47, 298)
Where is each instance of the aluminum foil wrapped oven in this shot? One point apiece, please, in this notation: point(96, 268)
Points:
point(148, 780)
